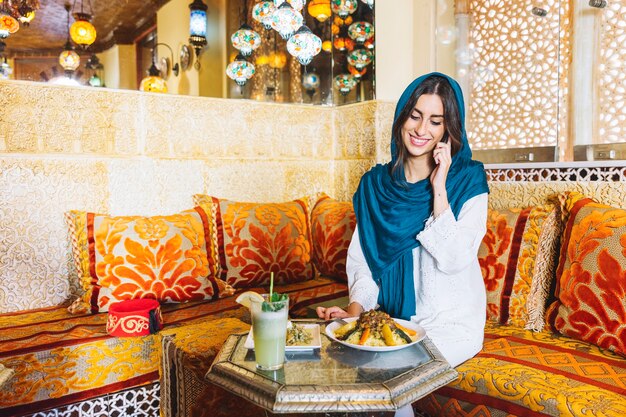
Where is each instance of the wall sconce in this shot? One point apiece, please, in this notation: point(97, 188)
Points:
point(197, 28)
point(154, 82)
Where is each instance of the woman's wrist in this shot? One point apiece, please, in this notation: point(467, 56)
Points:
point(354, 309)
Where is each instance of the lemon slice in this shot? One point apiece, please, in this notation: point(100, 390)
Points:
point(246, 298)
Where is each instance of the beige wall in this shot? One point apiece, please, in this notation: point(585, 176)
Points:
point(406, 44)
point(120, 62)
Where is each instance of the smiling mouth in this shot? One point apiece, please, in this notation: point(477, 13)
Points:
point(416, 141)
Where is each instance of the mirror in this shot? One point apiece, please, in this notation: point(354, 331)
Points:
point(128, 32)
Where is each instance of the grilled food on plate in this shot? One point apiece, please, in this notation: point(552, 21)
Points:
point(375, 328)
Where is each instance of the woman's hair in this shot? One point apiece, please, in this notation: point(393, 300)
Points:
point(439, 86)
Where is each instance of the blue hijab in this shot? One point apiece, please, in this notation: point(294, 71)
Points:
point(391, 212)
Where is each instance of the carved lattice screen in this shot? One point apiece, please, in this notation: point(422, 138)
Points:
point(612, 80)
point(518, 74)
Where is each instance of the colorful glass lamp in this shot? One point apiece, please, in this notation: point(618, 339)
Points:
point(69, 59)
point(197, 28)
point(8, 24)
point(344, 83)
point(240, 70)
point(262, 13)
point(245, 40)
point(82, 32)
point(304, 45)
point(360, 58)
point(286, 20)
point(343, 8)
point(361, 31)
point(319, 9)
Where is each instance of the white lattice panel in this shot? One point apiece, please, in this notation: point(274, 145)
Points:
point(516, 72)
point(612, 81)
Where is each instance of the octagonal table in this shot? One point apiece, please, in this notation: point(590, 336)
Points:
point(334, 378)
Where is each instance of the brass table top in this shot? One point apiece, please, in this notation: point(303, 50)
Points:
point(334, 378)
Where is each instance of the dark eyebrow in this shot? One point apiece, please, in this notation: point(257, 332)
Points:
point(432, 115)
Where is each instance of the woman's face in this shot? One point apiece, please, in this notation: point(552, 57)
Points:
point(425, 126)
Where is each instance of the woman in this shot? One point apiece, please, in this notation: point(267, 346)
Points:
point(420, 221)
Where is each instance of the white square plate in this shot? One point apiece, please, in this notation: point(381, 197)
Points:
point(312, 328)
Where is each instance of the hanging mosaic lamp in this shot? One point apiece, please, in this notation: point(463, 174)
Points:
point(361, 31)
point(327, 46)
point(262, 13)
point(8, 24)
point(286, 20)
point(153, 83)
point(344, 83)
point(356, 73)
point(343, 44)
point(240, 70)
point(319, 9)
point(310, 81)
point(245, 40)
point(304, 45)
point(343, 8)
point(370, 3)
point(360, 58)
point(69, 59)
point(82, 32)
point(296, 4)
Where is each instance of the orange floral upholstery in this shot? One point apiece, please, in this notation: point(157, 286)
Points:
point(260, 238)
point(591, 275)
point(168, 258)
point(332, 226)
point(517, 257)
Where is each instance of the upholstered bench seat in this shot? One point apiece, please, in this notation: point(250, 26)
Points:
point(60, 358)
point(525, 373)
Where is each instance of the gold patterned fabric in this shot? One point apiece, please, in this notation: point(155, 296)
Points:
point(332, 225)
point(59, 357)
point(526, 374)
point(168, 258)
point(591, 276)
point(517, 259)
point(256, 239)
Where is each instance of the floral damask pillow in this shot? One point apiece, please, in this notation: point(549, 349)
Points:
point(168, 258)
point(517, 257)
point(260, 238)
point(591, 274)
point(332, 226)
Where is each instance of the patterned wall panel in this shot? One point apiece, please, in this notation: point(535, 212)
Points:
point(612, 82)
point(193, 127)
point(34, 194)
point(96, 121)
point(384, 123)
point(518, 73)
point(356, 130)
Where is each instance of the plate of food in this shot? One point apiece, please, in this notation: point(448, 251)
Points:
point(300, 336)
point(376, 331)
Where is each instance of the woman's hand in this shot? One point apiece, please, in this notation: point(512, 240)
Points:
point(443, 159)
point(334, 312)
point(329, 313)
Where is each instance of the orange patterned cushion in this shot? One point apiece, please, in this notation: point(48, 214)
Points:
point(517, 257)
point(260, 238)
point(332, 226)
point(168, 258)
point(591, 276)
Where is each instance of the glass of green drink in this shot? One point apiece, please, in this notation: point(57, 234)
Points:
point(269, 330)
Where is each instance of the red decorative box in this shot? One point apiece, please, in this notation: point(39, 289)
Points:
point(134, 318)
